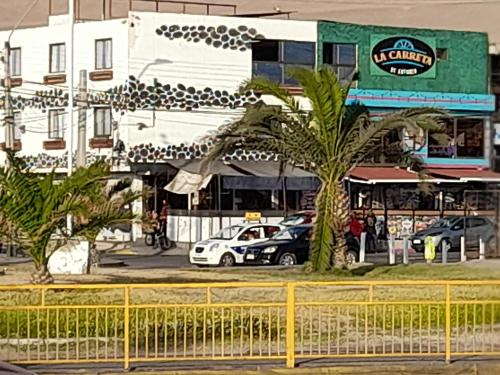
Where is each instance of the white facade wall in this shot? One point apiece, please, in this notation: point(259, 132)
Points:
point(34, 43)
point(140, 52)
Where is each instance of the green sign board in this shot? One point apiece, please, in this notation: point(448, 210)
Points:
point(402, 56)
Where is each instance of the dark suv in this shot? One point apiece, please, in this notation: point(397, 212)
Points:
point(290, 247)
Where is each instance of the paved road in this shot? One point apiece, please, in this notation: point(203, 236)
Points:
point(150, 261)
point(179, 259)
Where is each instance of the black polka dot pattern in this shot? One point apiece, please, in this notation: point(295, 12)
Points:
point(44, 160)
point(149, 153)
point(238, 38)
point(136, 95)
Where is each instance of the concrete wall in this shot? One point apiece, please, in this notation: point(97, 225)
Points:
point(198, 64)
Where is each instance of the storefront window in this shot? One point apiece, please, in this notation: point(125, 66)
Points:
point(470, 138)
point(459, 138)
point(442, 143)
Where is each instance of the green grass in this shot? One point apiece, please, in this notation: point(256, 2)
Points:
point(399, 272)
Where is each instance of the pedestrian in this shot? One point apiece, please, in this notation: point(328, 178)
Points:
point(163, 217)
point(355, 226)
point(371, 232)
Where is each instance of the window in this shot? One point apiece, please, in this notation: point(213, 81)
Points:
point(469, 141)
point(495, 69)
point(57, 123)
point(273, 59)
point(57, 58)
point(475, 222)
point(17, 126)
point(102, 122)
point(442, 53)
point(342, 57)
point(15, 62)
point(460, 138)
point(270, 231)
point(103, 54)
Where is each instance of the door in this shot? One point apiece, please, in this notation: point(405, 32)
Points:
point(476, 228)
point(303, 246)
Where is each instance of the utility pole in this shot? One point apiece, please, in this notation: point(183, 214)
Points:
point(9, 125)
point(71, 94)
point(9, 117)
point(81, 151)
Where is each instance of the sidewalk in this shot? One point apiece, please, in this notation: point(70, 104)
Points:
point(139, 248)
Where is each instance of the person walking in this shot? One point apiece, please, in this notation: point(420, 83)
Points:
point(163, 217)
point(371, 232)
point(355, 226)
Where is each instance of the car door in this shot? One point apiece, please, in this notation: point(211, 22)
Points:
point(302, 247)
point(476, 228)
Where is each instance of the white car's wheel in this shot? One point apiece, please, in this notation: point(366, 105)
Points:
point(227, 260)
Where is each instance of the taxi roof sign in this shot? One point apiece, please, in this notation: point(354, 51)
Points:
point(253, 216)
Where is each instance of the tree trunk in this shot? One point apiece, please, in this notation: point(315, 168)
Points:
point(42, 275)
point(340, 226)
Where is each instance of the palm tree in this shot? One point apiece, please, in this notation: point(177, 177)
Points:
point(35, 208)
point(324, 136)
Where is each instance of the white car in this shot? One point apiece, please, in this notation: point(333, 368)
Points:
point(228, 247)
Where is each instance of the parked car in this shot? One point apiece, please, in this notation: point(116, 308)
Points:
point(291, 246)
point(299, 218)
point(447, 232)
point(286, 248)
point(228, 247)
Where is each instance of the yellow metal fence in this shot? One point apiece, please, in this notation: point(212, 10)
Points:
point(241, 321)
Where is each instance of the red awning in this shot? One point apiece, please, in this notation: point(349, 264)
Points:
point(465, 174)
point(383, 174)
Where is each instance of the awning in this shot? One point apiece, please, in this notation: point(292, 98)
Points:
point(373, 175)
point(465, 174)
point(269, 169)
point(187, 183)
point(197, 167)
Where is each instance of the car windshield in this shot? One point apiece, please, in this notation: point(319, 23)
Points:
point(294, 220)
point(227, 233)
point(290, 233)
point(443, 223)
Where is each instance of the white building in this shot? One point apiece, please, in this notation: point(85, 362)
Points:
point(159, 83)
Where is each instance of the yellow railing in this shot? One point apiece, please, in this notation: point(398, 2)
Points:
point(248, 321)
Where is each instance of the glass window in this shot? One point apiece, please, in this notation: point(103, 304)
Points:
point(469, 139)
point(266, 50)
point(495, 69)
point(291, 233)
point(442, 142)
point(102, 122)
point(475, 222)
point(15, 61)
point(460, 138)
point(270, 231)
point(103, 54)
point(342, 57)
point(57, 122)
point(273, 59)
point(301, 53)
point(57, 58)
point(17, 125)
point(228, 233)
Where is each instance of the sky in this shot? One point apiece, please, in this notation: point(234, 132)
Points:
point(470, 15)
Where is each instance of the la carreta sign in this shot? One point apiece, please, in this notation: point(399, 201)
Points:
point(402, 56)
